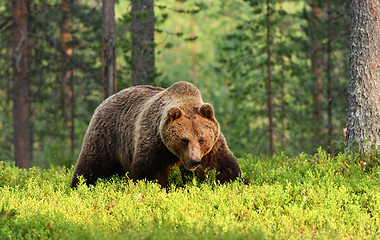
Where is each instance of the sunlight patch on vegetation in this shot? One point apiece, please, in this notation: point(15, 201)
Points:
point(304, 197)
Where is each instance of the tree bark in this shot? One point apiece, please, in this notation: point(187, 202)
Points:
point(109, 53)
point(21, 104)
point(363, 120)
point(329, 78)
point(269, 80)
point(282, 85)
point(316, 68)
point(142, 31)
point(67, 79)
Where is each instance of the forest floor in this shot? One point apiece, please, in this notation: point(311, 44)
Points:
point(305, 197)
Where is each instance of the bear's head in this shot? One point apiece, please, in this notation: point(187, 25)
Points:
point(190, 135)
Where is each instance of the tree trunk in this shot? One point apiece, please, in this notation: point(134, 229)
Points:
point(142, 31)
point(67, 81)
point(282, 85)
point(316, 68)
point(269, 79)
point(109, 53)
point(21, 104)
point(329, 79)
point(363, 120)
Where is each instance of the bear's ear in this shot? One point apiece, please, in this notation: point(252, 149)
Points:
point(206, 111)
point(173, 113)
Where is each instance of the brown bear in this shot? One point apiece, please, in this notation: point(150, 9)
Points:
point(146, 130)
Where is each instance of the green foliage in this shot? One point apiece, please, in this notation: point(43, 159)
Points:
point(243, 59)
point(44, 22)
point(306, 197)
point(179, 177)
point(218, 45)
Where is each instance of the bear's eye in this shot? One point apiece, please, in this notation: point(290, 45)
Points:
point(185, 142)
point(201, 141)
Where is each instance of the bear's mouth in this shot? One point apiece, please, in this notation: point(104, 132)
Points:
point(191, 164)
point(193, 167)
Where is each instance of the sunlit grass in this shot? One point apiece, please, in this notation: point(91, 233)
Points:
point(299, 198)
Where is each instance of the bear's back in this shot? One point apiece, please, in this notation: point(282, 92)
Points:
point(134, 96)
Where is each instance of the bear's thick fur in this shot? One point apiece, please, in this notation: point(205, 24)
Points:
point(146, 130)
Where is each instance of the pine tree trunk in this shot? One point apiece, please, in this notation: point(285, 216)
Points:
point(269, 79)
point(316, 68)
point(329, 78)
point(109, 53)
point(67, 79)
point(363, 120)
point(282, 86)
point(21, 104)
point(142, 31)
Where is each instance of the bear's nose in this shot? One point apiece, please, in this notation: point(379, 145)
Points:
point(196, 162)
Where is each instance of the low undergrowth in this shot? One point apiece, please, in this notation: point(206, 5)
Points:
point(304, 197)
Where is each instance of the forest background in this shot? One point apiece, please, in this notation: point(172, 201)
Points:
point(220, 46)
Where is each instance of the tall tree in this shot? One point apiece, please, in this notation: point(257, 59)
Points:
point(329, 77)
point(282, 83)
point(67, 80)
point(316, 67)
point(109, 53)
point(269, 79)
point(363, 120)
point(21, 104)
point(142, 31)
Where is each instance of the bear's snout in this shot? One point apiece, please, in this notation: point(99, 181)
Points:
point(194, 163)
point(192, 156)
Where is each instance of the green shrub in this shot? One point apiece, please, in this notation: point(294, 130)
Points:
point(305, 197)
